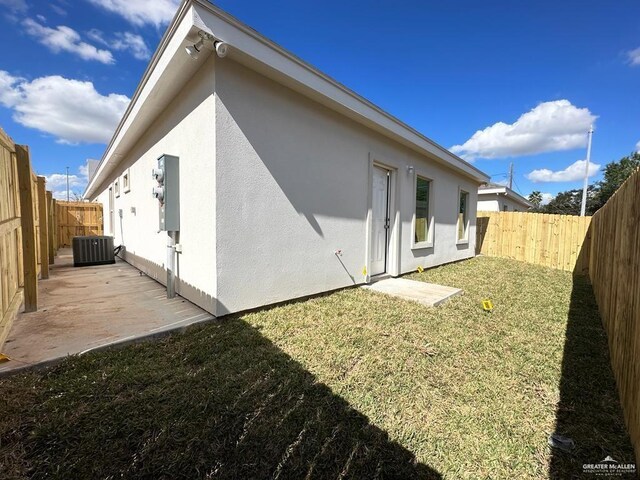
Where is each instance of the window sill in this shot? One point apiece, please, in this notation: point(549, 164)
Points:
point(462, 242)
point(421, 245)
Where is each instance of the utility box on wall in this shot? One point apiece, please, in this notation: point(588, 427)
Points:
point(168, 192)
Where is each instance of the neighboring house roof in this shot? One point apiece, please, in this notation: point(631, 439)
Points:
point(494, 189)
point(170, 68)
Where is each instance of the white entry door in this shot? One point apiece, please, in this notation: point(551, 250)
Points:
point(380, 220)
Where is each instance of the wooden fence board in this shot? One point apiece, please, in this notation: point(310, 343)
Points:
point(10, 237)
point(551, 240)
point(77, 219)
point(614, 270)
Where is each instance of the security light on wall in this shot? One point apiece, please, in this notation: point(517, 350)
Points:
point(410, 169)
point(194, 50)
point(221, 49)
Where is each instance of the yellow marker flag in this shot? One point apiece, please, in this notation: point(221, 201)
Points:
point(487, 305)
point(420, 269)
point(364, 271)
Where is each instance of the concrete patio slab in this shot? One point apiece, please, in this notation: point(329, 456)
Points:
point(428, 294)
point(86, 308)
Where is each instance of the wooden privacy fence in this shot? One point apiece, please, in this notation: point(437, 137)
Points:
point(24, 252)
point(614, 270)
point(550, 240)
point(76, 219)
point(30, 233)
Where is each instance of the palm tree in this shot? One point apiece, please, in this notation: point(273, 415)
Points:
point(535, 198)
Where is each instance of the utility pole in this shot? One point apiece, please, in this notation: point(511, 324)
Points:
point(583, 208)
point(67, 184)
point(511, 176)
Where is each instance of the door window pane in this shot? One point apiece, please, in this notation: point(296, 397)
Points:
point(422, 210)
point(462, 215)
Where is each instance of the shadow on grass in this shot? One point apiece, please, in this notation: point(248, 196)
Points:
point(220, 401)
point(589, 410)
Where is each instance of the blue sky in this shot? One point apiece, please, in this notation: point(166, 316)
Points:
point(497, 82)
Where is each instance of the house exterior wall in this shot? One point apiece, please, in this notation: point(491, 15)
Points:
point(496, 203)
point(184, 129)
point(293, 186)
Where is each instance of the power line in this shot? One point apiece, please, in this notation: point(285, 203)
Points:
point(517, 187)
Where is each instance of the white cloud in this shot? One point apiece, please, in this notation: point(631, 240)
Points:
point(123, 41)
point(633, 57)
point(546, 198)
point(58, 9)
point(65, 39)
point(57, 183)
point(15, 6)
point(572, 173)
point(134, 43)
point(549, 127)
point(71, 110)
point(9, 94)
point(141, 12)
point(638, 147)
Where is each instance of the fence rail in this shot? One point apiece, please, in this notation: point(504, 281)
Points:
point(614, 270)
point(550, 240)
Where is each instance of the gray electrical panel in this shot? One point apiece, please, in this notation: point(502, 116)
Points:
point(167, 192)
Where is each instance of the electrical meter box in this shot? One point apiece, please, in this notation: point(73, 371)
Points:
point(167, 191)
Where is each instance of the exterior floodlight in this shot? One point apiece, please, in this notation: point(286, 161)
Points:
point(194, 50)
point(221, 49)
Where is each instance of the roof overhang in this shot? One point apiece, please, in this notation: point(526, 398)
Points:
point(171, 67)
point(507, 192)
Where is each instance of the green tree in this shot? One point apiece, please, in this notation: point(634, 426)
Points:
point(569, 202)
point(615, 173)
point(535, 198)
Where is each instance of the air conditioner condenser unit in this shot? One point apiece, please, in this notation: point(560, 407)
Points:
point(92, 250)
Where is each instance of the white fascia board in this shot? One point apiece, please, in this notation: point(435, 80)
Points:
point(491, 191)
point(506, 192)
point(257, 52)
point(146, 104)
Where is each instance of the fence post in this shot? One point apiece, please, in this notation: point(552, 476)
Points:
point(54, 211)
point(44, 227)
point(27, 220)
point(50, 227)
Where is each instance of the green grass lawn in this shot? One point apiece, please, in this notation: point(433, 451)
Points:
point(353, 384)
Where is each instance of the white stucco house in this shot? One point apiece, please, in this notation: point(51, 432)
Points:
point(499, 198)
point(289, 183)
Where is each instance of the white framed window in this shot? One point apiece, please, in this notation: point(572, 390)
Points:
point(423, 219)
point(116, 188)
point(126, 181)
point(463, 217)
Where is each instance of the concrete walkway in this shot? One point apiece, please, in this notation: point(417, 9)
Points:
point(86, 308)
point(428, 294)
